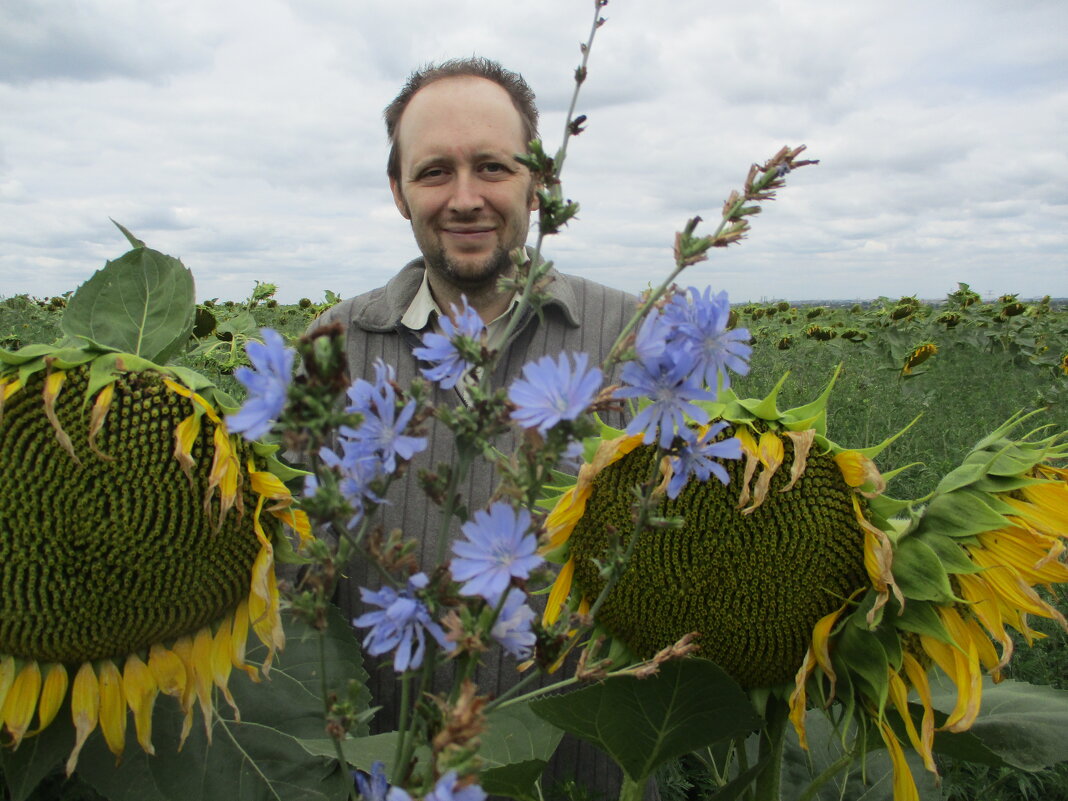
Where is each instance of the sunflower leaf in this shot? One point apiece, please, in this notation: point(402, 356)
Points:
point(919, 573)
point(142, 303)
point(259, 759)
point(1022, 725)
point(642, 723)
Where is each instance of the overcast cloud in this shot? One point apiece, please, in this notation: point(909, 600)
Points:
point(246, 138)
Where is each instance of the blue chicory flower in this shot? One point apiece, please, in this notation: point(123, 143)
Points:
point(695, 459)
point(381, 434)
point(699, 323)
point(446, 790)
point(550, 391)
point(266, 384)
point(401, 624)
point(376, 787)
point(671, 385)
point(357, 469)
point(512, 628)
point(447, 366)
point(498, 548)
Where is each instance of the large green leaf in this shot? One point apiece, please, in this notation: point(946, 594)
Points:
point(1023, 725)
point(142, 303)
point(641, 723)
point(516, 747)
point(260, 758)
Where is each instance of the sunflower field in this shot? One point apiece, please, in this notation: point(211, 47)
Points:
point(950, 371)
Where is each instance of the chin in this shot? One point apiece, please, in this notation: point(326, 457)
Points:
point(471, 273)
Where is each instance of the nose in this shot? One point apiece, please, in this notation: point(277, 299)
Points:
point(467, 195)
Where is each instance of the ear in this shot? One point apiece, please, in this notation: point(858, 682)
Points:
point(398, 199)
point(535, 201)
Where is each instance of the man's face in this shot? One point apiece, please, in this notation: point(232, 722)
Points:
point(468, 199)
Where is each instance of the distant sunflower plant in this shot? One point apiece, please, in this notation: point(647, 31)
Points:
point(137, 531)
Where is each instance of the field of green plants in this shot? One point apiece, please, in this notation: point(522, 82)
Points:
point(949, 371)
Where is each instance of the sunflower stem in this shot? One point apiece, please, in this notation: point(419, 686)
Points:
point(769, 782)
point(399, 770)
point(632, 790)
point(832, 770)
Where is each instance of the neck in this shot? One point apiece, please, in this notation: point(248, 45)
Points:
point(487, 300)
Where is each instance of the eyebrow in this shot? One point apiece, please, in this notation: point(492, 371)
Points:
point(481, 155)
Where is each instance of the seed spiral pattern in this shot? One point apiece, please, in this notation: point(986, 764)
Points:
point(106, 557)
point(752, 585)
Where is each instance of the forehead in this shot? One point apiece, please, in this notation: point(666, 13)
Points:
point(457, 117)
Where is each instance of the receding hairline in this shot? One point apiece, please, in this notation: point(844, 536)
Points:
point(512, 83)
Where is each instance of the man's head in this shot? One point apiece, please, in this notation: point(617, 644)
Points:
point(521, 95)
point(455, 131)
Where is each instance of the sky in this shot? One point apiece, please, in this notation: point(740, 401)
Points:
point(246, 138)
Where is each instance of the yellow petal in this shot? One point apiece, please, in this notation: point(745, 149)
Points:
point(84, 708)
point(53, 693)
point(112, 708)
point(239, 640)
point(267, 483)
point(183, 649)
point(904, 784)
point(201, 660)
point(185, 392)
point(185, 436)
point(799, 697)
point(21, 701)
point(7, 678)
point(141, 690)
point(558, 594)
point(224, 472)
point(96, 418)
point(222, 663)
point(566, 514)
point(899, 695)
point(917, 677)
point(52, 385)
point(168, 670)
point(802, 445)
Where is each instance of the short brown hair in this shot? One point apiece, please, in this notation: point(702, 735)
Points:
point(521, 94)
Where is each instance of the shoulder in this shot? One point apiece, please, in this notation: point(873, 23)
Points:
point(584, 301)
point(381, 309)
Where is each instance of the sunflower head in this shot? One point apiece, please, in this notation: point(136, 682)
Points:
point(136, 533)
point(802, 576)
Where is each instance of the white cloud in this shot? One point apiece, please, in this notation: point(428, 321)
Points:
point(247, 139)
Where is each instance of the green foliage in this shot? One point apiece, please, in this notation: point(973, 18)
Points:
point(141, 303)
point(262, 756)
point(642, 723)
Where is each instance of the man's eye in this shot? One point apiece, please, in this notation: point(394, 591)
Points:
point(494, 167)
point(431, 174)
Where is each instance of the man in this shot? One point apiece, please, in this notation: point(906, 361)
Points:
point(455, 129)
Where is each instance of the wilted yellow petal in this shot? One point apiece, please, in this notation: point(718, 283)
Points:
point(185, 436)
point(558, 594)
point(141, 690)
point(904, 784)
point(239, 639)
point(802, 441)
point(201, 662)
point(7, 678)
point(183, 649)
point(52, 385)
point(53, 693)
point(84, 708)
point(222, 662)
point(917, 677)
point(96, 418)
point(168, 670)
point(799, 697)
point(21, 701)
point(112, 708)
